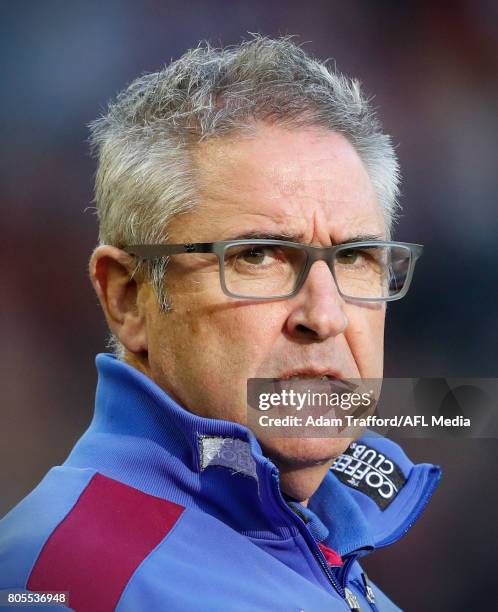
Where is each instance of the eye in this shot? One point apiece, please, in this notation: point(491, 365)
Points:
point(371, 259)
point(254, 255)
point(260, 255)
point(348, 257)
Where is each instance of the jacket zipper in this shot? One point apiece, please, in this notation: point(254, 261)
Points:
point(366, 590)
point(350, 596)
point(345, 593)
point(369, 594)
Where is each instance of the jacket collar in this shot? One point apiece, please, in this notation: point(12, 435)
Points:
point(143, 437)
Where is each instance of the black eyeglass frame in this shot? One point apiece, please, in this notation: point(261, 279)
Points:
point(313, 254)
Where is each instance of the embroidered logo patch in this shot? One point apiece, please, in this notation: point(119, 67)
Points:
point(366, 469)
point(231, 453)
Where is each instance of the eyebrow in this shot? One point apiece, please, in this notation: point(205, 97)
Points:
point(258, 235)
point(362, 238)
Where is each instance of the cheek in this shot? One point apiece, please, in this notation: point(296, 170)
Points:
point(250, 331)
point(365, 336)
point(230, 337)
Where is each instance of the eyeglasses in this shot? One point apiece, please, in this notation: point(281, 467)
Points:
point(370, 271)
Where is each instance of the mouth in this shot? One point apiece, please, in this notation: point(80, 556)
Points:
point(320, 375)
point(316, 374)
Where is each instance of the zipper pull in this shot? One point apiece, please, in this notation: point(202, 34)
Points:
point(368, 589)
point(351, 600)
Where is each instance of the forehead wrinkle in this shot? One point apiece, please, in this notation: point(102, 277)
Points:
point(259, 223)
point(230, 196)
point(232, 180)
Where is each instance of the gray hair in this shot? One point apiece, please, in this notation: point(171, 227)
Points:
point(144, 143)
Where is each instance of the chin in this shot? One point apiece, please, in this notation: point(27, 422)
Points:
point(289, 453)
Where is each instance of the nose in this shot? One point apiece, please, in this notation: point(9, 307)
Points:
point(317, 310)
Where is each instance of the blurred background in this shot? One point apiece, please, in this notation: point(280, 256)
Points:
point(432, 67)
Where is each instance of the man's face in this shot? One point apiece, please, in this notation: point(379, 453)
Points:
point(307, 183)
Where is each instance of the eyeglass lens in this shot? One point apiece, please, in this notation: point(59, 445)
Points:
point(262, 270)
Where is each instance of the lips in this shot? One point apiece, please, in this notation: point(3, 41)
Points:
point(317, 374)
point(311, 373)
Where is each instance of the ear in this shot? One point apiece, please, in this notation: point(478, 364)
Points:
point(119, 295)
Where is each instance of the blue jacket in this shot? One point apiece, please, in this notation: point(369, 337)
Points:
point(159, 509)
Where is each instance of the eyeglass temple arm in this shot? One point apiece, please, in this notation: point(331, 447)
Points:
point(154, 251)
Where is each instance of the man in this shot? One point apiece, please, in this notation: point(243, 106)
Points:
point(245, 199)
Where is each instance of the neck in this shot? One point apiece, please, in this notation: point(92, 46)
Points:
point(301, 482)
point(303, 463)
